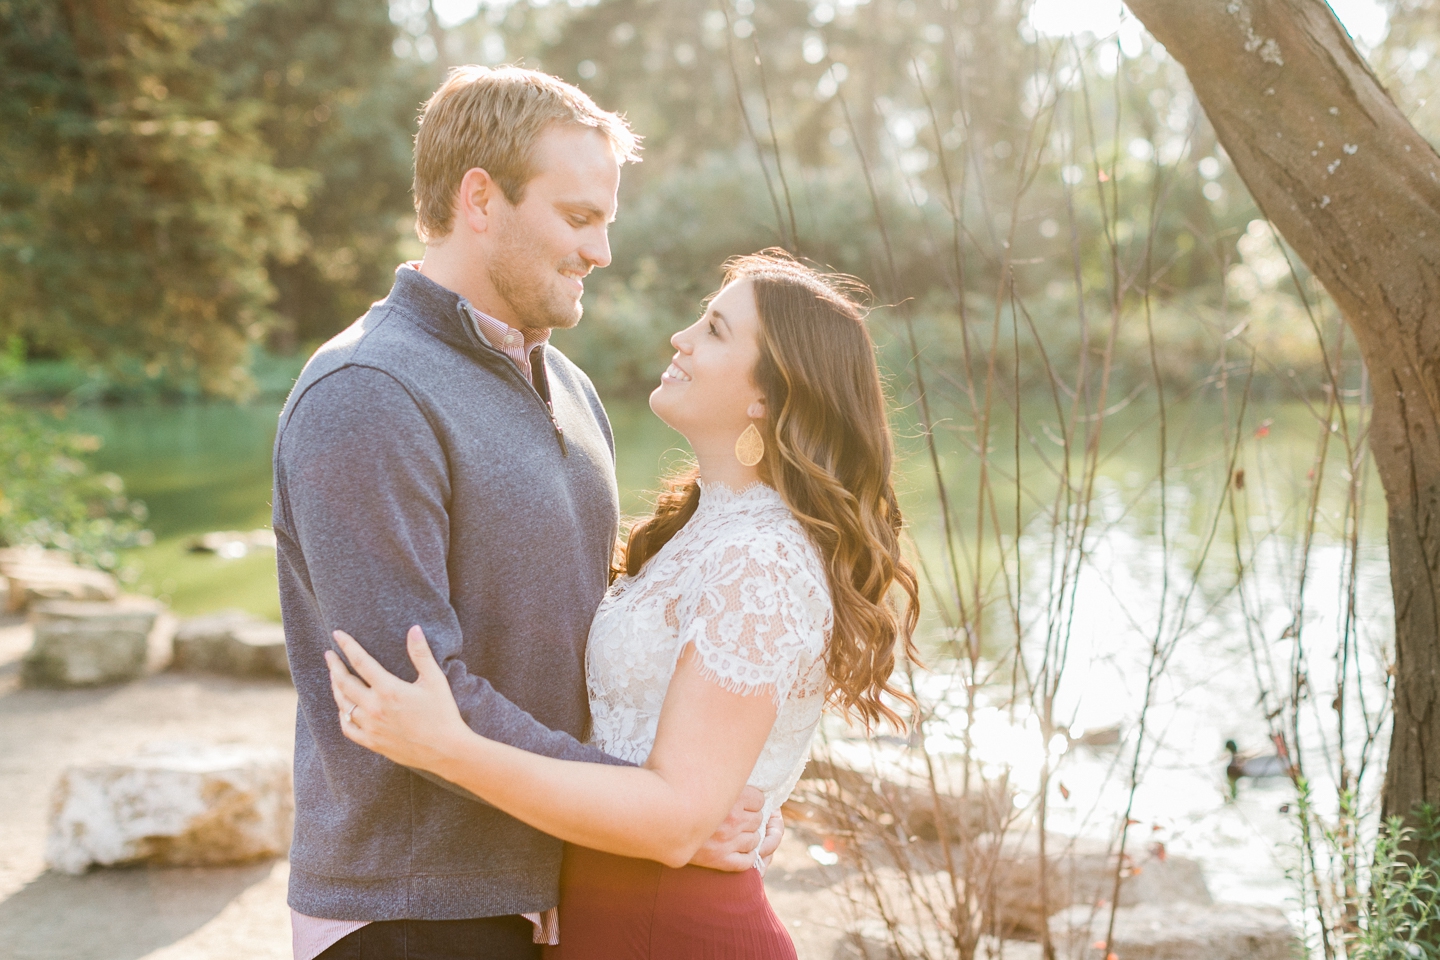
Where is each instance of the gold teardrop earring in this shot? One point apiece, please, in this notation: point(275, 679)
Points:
point(750, 448)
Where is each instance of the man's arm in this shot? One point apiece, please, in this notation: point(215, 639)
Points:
point(663, 811)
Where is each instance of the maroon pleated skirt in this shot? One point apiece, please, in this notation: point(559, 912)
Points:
point(616, 908)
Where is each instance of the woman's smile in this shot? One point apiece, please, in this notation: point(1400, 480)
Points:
point(714, 360)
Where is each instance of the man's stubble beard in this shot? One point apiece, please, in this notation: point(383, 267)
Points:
point(515, 277)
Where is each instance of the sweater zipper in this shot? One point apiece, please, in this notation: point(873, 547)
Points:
point(559, 432)
point(469, 324)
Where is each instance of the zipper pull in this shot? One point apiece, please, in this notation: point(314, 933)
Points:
point(559, 433)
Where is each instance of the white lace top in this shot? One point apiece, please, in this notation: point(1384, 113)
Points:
point(743, 583)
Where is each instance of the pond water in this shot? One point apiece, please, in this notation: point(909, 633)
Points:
point(1148, 567)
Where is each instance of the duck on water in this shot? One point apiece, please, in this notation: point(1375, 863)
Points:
point(1255, 765)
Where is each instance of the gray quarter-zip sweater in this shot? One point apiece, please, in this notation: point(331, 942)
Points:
point(420, 478)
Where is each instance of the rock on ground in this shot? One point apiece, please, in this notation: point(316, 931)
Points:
point(32, 575)
point(82, 643)
point(1178, 931)
point(830, 796)
point(174, 805)
point(875, 940)
point(1081, 872)
point(232, 642)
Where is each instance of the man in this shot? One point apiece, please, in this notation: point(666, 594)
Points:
point(438, 463)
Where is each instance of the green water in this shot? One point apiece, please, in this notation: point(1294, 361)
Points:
point(207, 467)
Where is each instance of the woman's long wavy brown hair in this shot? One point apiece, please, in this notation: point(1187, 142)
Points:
point(828, 452)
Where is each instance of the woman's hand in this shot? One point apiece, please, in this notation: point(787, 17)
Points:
point(414, 724)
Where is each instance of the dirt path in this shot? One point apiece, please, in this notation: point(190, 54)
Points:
point(204, 914)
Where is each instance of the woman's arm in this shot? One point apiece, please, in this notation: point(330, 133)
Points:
point(706, 745)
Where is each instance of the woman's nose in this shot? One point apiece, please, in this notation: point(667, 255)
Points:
point(678, 341)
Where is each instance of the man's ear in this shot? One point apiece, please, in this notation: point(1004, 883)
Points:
point(475, 202)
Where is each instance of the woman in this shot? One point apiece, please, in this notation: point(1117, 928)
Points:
point(758, 591)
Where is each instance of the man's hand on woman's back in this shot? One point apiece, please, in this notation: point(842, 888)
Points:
point(732, 847)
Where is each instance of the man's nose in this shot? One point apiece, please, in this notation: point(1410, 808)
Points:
point(596, 250)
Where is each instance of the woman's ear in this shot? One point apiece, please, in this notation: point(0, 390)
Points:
point(756, 410)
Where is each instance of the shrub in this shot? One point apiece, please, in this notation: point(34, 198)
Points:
point(50, 495)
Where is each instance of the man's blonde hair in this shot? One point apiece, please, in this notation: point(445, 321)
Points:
point(491, 118)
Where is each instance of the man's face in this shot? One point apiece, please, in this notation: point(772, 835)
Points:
point(542, 248)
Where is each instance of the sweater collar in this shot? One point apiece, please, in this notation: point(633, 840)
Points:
point(438, 310)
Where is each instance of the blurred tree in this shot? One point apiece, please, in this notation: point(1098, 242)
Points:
point(338, 103)
point(138, 203)
point(182, 178)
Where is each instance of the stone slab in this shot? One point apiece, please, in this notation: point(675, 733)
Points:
point(830, 795)
point(84, 643)
point(1177, 931)
point(172, 805)
point(33, 578)
point(232, 642)
point(1081, 872)
point(32, 554)
point(876, 940)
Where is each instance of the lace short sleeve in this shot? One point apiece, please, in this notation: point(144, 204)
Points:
point(761, 615)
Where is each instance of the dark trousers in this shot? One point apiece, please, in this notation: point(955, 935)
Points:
point(485, 938)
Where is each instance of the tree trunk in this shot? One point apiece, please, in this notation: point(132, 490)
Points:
point(1350, 184)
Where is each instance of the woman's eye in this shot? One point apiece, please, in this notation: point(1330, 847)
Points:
point(713, 331)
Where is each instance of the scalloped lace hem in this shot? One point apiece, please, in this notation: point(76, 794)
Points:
point(745, 688)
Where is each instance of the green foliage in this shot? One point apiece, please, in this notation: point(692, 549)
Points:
point(138, 207)
point(168, 168)
point(50, 497)
point(182, 178)
point(335, 102)
point(1386, 909)
point(1400, 916)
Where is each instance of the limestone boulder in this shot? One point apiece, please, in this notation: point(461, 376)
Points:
point(83, 643)
point(14, 556)
point(877, 940)
point(172, 805)
point(1081, 872)
point(232, 642)
point(1177, 931)
point(33, 575)
point(830, 796)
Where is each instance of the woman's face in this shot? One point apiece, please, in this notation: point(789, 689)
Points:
point(708, 392)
